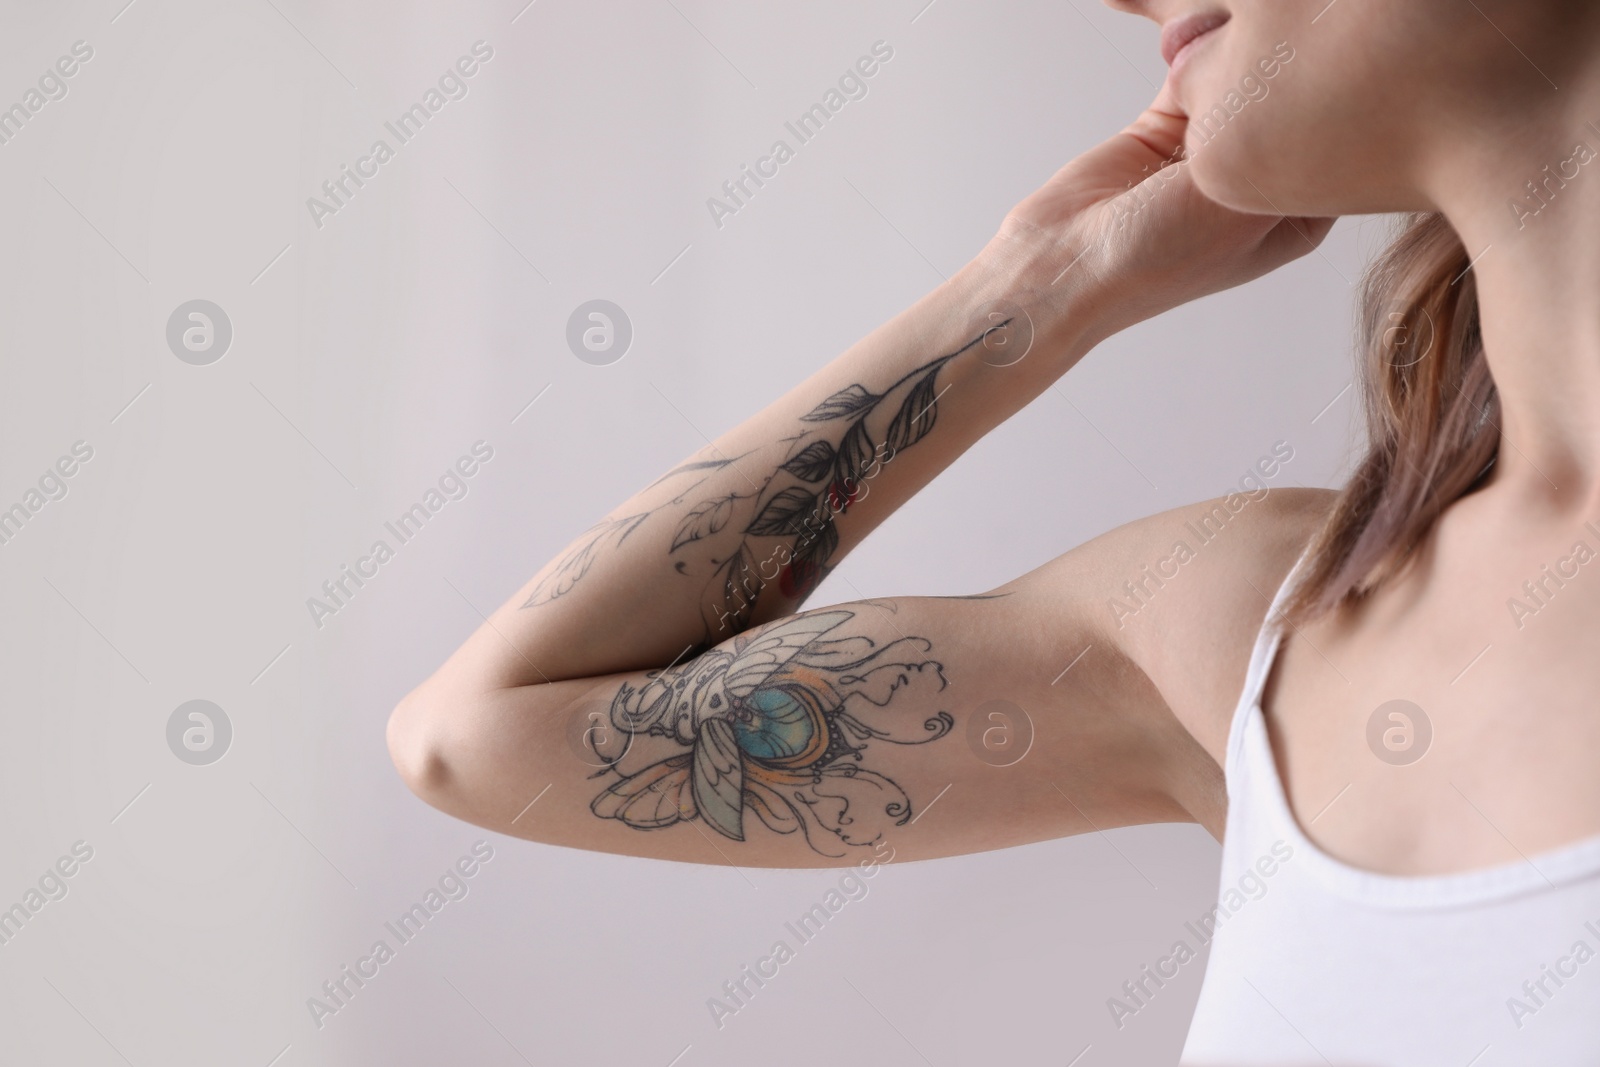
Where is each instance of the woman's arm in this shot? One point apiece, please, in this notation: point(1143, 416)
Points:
point(650, 606)
point(909, 727)
point(741, 531)
point(744, 529)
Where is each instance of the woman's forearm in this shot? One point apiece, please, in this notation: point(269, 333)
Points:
point(742, 531)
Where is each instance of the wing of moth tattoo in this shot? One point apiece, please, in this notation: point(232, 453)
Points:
point(778, 727)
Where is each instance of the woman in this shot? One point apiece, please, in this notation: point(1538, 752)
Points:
point(1379, 698)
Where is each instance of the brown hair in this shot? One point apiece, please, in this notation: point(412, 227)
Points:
point(1432, 415)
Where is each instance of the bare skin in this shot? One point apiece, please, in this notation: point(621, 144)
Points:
point(1435, 105)
point(807, 736)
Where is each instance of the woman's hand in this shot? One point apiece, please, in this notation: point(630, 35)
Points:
point(1124, 228)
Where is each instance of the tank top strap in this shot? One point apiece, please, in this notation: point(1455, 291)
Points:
point(1262, 655)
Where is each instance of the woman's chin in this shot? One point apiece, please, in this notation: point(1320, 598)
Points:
point(1233, 184)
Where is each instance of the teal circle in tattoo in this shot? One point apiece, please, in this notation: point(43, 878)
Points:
point(780, 728)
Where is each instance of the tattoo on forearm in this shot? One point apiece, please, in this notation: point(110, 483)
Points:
point(824, 472)
point(779, 726)
point(575, 563)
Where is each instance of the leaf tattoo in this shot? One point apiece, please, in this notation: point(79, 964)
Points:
point(575, 564)
point(847, 401)
point(813, 462)
point(737, 573)
point(783, 514)
point(706, 519)
point(915, 418)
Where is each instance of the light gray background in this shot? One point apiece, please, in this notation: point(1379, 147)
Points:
point(370, 353)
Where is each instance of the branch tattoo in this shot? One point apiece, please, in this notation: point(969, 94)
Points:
point(824, 471)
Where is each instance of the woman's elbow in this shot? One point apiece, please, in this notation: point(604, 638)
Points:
point(413, 739)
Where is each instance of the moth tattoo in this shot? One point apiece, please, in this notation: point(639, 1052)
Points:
point(776, 728)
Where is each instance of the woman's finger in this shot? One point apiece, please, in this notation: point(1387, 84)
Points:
point(1161, 126)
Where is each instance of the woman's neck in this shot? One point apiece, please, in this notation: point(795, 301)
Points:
point(1527, 208)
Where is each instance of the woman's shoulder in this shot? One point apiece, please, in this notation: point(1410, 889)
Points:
point(1188, 590)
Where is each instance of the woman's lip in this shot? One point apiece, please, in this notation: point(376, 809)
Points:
point(1180, 33)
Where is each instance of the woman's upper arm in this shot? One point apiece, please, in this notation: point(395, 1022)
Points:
point(932, 726)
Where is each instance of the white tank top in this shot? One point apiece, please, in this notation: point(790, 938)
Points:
point(1314, 961)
